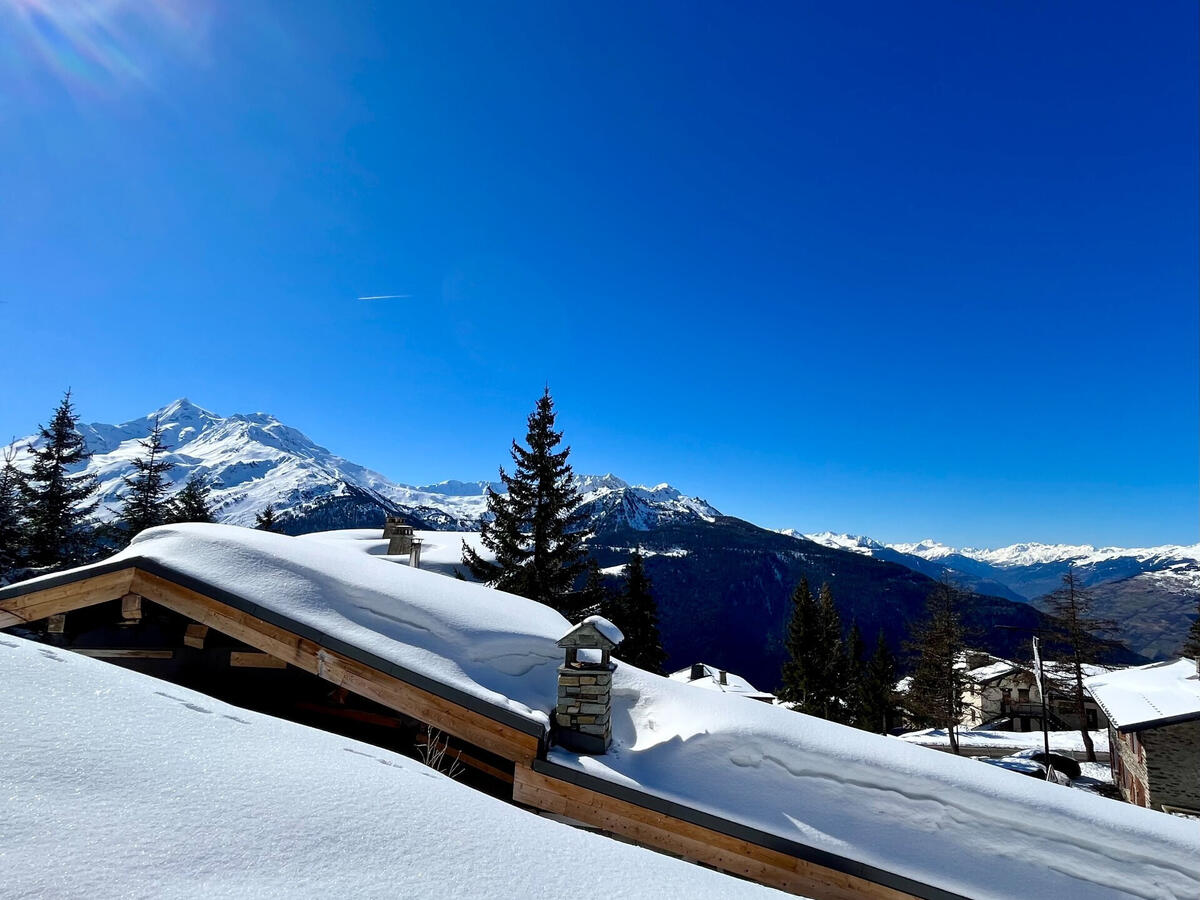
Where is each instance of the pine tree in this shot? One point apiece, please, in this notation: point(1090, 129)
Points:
point(635, 612)
point(267, 520)
point(1191, 647)
point(1077, 632)
point(534, 529)
point(191, 504)
point(879, 689)
point(594, 598)
point(55, 500)
point(828, 690)
point(801, 638)
point(854, 666)
point(145, 501)
point(12, 525)
point(935, 693)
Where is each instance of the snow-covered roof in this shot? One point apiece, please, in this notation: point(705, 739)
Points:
point(115, 783)
point(711, 680)
point(821, 791)
point(1152, 696)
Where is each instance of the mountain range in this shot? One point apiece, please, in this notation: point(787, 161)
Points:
point(723, 584)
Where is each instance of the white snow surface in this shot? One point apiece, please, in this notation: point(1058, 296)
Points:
point(605, 627)
point(711, 681)
point(929, 816)
point(1146, 694)
point(117, 784)
point(1069, 741)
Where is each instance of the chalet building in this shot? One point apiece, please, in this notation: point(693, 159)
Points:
point(713, 679)
point(1003, 695)
point(1154, 733)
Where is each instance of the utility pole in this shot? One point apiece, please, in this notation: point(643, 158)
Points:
point(1041, 683)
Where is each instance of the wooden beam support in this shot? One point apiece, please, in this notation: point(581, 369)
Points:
point(242, 659)
point(109, 653)
point(131, 608)
point(194, 635)
point(56, 624)
point(675, 836)
point(65, 597)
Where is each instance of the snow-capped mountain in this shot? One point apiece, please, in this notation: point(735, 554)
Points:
point(252, 461)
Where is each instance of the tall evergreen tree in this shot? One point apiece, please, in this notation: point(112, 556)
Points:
point(801, 638)
point(267, 520)
point(145, 501)
point(828, 693)
point(879, 689)
point(190, 503)
point(12, 525)
point(54, 498)
point(594, 598)
point(635, 612)
point(534, 531)
point(1078, 633)
point(854, 666)
point(1191, 646)
point(935, 693)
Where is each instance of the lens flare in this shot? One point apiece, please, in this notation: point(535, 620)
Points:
point(98, 45)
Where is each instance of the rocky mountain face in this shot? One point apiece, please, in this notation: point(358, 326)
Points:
point(1149, 592)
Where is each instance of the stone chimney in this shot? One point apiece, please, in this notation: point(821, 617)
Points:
point(399, 536)
point(723, 677)
point(583, 715)
point(698, 672)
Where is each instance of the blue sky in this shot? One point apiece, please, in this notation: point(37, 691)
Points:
point(902, 270)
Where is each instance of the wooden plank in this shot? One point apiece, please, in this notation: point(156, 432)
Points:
point(131, 608)
point(241, 659)
point(65, 597)
point(194, 635)
point(693, 842)
point(387, 690)
point(111, 653)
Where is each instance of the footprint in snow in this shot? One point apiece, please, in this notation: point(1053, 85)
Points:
point(191, 706)
point(6, 644)
point(53, 656)
point(234, 719)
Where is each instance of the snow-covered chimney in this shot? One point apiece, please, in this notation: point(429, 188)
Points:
point(583, 715)
point(724, 677)
point(697, 671)
point(399, 536)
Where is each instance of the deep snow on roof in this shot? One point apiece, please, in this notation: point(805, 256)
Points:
point(909, 810)
point(1148, 696)
point(115, 783)
point(711, 680)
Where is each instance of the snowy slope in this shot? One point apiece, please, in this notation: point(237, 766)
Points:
point(254, 460)
point(116, 784)
point(931, 817)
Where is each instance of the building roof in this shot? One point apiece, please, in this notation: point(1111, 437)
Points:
point(1163, 693)
point(711, 680)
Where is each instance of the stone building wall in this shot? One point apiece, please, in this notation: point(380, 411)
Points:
point(1172, 756)
point(1129, 767)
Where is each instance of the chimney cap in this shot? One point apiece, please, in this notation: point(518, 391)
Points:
point(593, 633)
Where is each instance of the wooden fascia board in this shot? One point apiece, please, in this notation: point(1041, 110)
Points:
point(672, 826)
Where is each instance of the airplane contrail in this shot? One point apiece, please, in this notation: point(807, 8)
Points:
point(387, 297)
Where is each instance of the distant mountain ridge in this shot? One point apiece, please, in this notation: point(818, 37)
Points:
point(252, 461)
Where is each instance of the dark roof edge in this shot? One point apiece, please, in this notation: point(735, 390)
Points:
point(675, 810)
point(446, 692)
point(1157, 723)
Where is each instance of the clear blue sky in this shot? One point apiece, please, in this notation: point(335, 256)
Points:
point(900, 269)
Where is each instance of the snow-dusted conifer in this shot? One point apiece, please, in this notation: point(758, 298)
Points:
point(801, 635)
point(635, 611)
point(12, 525)
point(1191, 646)
point(878, 712)
point(55, 494)
point(267, 520)
point(534, 530)
point(191, 504)
point(145, 501)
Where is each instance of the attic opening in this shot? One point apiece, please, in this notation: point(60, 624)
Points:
point(139, 634)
